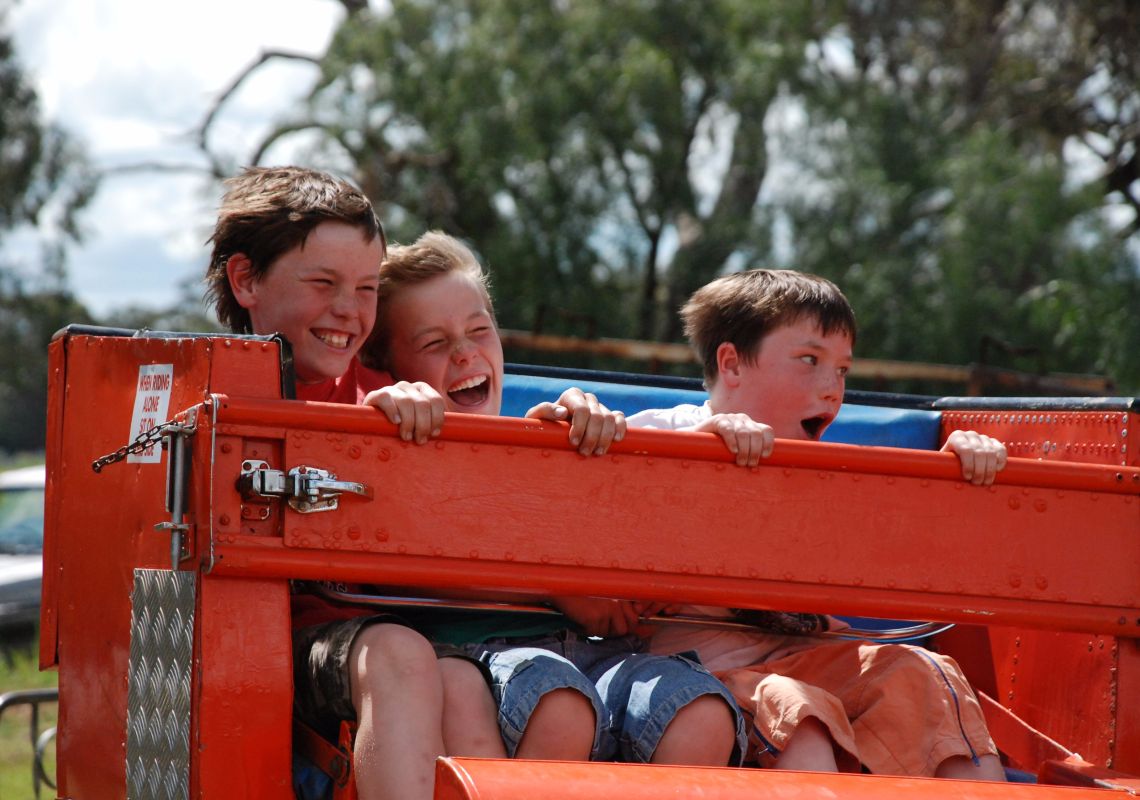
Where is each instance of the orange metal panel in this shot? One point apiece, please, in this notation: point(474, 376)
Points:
point(100, 528)
point(53, 454)
point(493, 779)
point(244, 692)
point(1062, 684)
point(1090, 437)
point(1126, 755)
point(817, 527)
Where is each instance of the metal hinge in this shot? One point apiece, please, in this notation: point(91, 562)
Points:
point(306, 489)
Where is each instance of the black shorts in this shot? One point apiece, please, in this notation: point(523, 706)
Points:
point(322, 696)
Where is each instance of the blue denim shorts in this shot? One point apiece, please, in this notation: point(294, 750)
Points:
point(635, 695)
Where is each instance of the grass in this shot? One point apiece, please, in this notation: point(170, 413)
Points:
point(19, 670)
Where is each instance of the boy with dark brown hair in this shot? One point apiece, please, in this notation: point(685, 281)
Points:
point(776, 346)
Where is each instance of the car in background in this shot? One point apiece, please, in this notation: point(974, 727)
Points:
point(21, 547)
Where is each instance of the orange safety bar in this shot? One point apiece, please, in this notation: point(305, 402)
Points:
point(495, 779)
point(810, 528)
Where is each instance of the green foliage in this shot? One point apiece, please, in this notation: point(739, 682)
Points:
point(606, 159)
point(567, 141)
point(44, 182)
point(947, 222)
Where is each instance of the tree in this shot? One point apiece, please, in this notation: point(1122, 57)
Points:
point(44, 182)
point(607, 159)
point(949, 215)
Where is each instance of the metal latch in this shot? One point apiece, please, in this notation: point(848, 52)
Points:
point(306, 489)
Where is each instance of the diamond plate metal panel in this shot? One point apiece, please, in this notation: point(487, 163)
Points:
point(158, 694)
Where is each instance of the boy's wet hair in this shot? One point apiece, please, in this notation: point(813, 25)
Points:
point(433, 254)
point(268, 211)
point(744, 307)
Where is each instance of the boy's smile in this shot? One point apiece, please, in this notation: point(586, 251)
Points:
point(441, 332)
point(794, 383)
point(321, 296)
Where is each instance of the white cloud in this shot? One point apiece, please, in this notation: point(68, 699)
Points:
point(132, 79)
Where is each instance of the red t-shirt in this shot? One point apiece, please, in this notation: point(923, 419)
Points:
point(350, 388)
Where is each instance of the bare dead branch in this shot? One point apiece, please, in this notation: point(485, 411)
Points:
point(266, 56)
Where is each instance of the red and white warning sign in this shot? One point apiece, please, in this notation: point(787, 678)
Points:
point(152, 397)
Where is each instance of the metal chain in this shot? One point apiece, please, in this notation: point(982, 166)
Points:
point(144, 441)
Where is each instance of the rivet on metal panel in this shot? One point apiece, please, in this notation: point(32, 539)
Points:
point(224, 520)
point(1014, 503)
point(475, 554)
point(649, 566)
point(227, 447)
point(227, 344)
point(1015, 581)
point(440, 445)
point(1039, 506)
point(354, 533)
point(545, 453)
point(1041, 582)
point(381, 535)
point(402, 549)
point(510, 451)
point(354, 452)
point(384, 454)
point(245, 345)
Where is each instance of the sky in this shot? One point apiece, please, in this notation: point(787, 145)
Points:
point(131, 79)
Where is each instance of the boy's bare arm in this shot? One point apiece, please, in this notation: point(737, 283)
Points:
point(593, 427)
point(416, 409)
point(982, 456)
point(745, 438)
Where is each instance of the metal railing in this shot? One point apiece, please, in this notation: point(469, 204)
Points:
point(39, 739)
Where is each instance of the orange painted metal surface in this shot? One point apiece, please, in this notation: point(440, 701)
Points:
point(484, 779)
point(99, 528)
point(1090, 437)
point(811, 527)
point(506, 504)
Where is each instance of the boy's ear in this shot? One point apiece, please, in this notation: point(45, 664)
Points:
point(239, 270)
point(728, 364)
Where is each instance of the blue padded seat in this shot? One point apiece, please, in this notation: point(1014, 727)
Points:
point(856, 424)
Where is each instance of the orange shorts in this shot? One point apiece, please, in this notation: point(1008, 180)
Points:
point(895, 709)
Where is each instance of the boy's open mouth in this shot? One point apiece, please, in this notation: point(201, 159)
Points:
point(813, 426)
point(470, 391)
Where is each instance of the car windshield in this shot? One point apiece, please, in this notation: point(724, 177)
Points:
point(21, 521)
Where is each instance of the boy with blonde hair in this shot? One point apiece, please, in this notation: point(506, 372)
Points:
point(437, 326)
point(776, 346)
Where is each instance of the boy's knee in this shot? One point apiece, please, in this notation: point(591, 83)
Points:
point(703, 731)
point(462, 679)
point(567, 707)
point(385, 652)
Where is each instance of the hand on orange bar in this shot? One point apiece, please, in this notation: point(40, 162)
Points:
point(745, 438)
point(416, 409)
point(593, 427)
point(982, 457)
